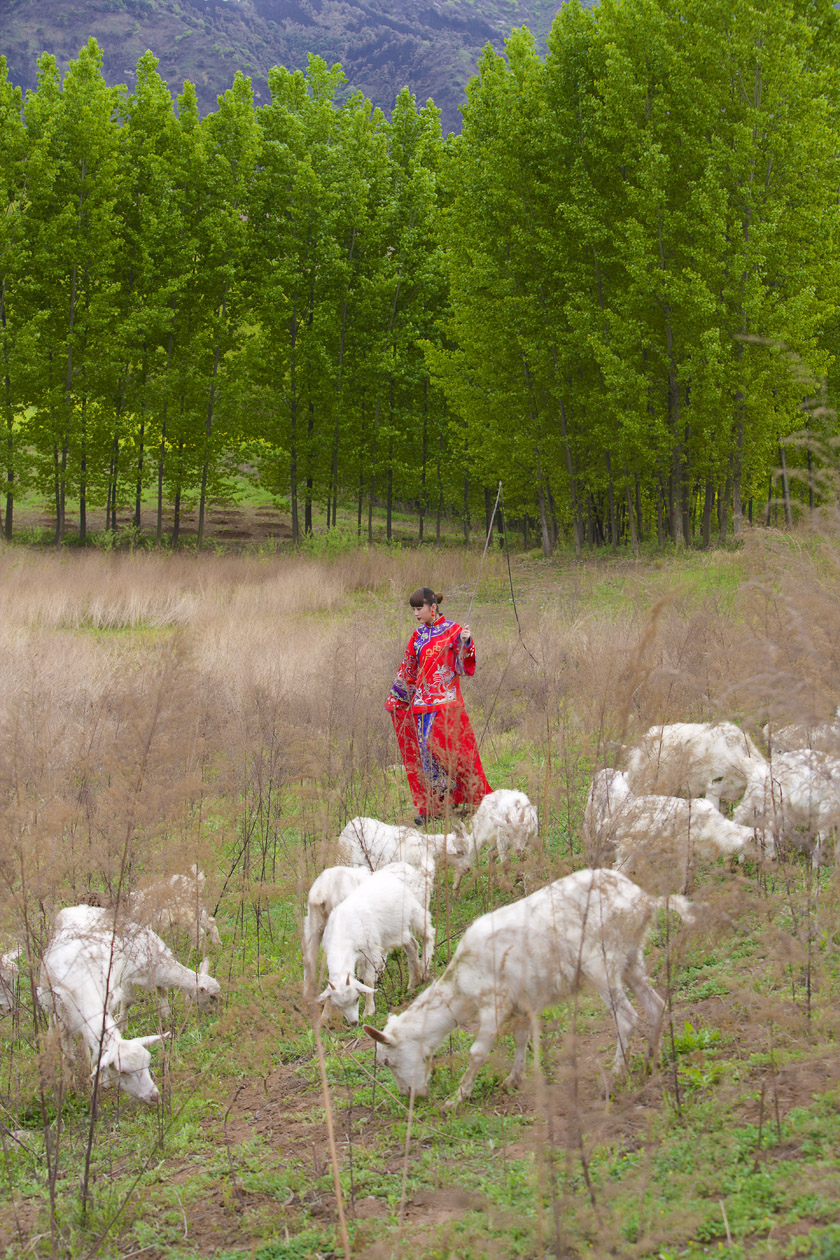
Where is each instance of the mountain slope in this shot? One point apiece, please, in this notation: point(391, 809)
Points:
point(430, 45)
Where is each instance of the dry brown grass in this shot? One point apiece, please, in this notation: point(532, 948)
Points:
point(158, 711)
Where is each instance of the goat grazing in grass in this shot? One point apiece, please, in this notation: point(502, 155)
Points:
point(693, 759)
point(514, 962)
point(382, 914)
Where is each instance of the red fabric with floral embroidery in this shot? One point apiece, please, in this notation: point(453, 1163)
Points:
point(435, 737)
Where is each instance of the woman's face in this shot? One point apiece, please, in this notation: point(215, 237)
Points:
point(426, 614)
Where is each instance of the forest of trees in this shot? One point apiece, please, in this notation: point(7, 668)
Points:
point(616, 290)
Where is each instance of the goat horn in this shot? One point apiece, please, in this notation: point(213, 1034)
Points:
point(381, 1037)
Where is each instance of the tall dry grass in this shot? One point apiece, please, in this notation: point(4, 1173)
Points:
point(158, 711)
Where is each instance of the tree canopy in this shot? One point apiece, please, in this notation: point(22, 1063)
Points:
point(614, 291)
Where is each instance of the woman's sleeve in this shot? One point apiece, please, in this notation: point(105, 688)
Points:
point(403, 684)
point(465, 661)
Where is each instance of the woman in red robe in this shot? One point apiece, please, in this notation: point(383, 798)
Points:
point(436, 740)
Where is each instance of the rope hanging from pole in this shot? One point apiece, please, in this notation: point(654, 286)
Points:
point(519, 638)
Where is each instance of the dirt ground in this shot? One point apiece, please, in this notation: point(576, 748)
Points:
point(233, 526)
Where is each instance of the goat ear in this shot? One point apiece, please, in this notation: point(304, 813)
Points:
point(326, 995)
point(204, 969)
point(107, 1059)
point(362, 988)
point(381, 1037)
point(152, 1040)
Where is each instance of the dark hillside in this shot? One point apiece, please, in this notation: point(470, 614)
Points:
point(383, 45)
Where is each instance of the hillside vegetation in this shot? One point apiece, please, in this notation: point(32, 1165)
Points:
point(615, 291)
point(430, 48)
point(158, 711)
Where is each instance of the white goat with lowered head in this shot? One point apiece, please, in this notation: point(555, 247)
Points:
point(380, 915)
point(8, 979)
point(654, 838)
point(796, 790)
point(693, 759)
point(80, 971)
point(335, 884)
point(505, 818)
point(514, 962)
point(332, 886)
point(141, 960)
point(373, 844)
point(175, 904)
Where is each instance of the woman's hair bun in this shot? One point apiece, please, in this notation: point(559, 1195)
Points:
point(424, 595)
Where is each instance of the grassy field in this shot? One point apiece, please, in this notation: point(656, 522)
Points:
point(157, 711)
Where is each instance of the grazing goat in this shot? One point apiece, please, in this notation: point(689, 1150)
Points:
point(380, 915)
point(505, 818)
point(824, 736)
point(795, 790)
point(8, 979)
point(331, 887)
point(141, 960)
point(175, 904)
point(335, 884)
point(513, 962)
point(693, 759)
point(653, 838)
point(373, 844)
point(80, 969)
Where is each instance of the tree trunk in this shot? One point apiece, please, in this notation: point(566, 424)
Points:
point(176, 513)
point(544, 530)
point(577, 519)
point(439, 511)
point(208, 430)
point(631, 518)
point(660, 509)
point(724, 506)
point(307, 501)
point(611, 500)
point(467, 509)
point(83, 479)
point(785, 488)
point(425, 458)
point(708, 504)
point(9, 413)
point(389, 509)
point(373, 469)
point(162, 451)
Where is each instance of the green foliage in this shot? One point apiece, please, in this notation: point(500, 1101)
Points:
point(612, 292)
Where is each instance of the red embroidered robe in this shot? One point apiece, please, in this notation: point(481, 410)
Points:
point(435, 737)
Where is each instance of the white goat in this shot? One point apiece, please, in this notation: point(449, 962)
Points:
point(795, 790)
point(175, 904)
point(8, 979)
point(141, 960)
point(505, 818)
point(331, 887)
point(380, 915)
point(824, 736)
point(335, 884)
point(693, 759)
point(78, 971)
point(653, 838)
point(513, 962)
point(373, 844)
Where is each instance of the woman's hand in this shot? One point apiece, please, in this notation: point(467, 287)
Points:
point(465, 638)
